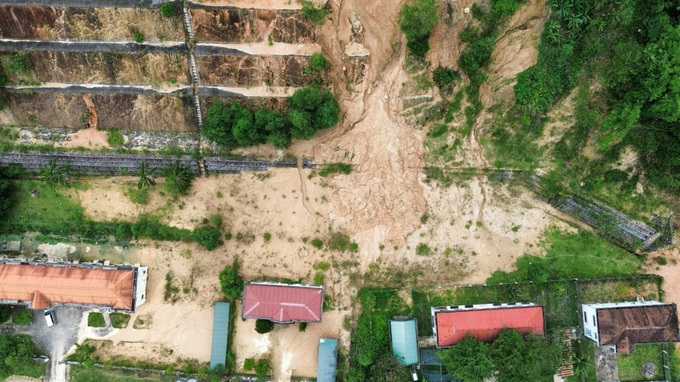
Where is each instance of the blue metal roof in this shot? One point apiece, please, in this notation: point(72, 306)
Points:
point(328, 360)
point(220, 335)
point(404, 334)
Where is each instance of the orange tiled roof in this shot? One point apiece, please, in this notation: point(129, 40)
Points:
point(47, 284)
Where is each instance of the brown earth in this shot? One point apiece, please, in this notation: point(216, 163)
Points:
point(107, 68)
point(114, 111)
point(249, 25)
point(60, 23)
point(254, 70)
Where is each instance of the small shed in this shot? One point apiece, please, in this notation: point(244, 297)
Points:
point(328, 360)
point(404, 335)
point(218, 354)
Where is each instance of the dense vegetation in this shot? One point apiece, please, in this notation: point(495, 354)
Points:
point(264, 326)
point(370, 356)
point(512, 357)
point(230, 281)
point(417, 20)
point(315, 14)
point(16, 353)
point(312, 108)
point(629, 49)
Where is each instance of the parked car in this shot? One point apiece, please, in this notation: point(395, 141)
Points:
point(49, 317)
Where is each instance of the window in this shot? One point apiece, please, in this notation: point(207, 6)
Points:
point(594, 321)
point(585, 318)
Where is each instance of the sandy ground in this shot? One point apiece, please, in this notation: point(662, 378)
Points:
point(291, 351)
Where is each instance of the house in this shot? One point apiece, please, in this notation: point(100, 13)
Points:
point(41, 285)
point(328, 360)
point(485, 321)
point(624, 324)
point(283, 303)
point(220, 336)
point(404, 338)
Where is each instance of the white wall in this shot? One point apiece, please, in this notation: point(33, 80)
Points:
point(589, 318)
point(140, 288)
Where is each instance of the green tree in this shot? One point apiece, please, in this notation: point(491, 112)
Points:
point(16, 353)
point(301, 124)
point(520, 358)
point(208, 237)
point(318, 62)
point(55, 175)
point(231, 282)
point(219, 120)
point(417, 20)
point(468, 360)
point(6, 193)
point(264, 326)
point(146, 177)
point(178, 179)
point(5, 313)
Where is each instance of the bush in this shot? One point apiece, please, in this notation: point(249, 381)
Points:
point(248, 364)
point(231, 282)
point(302, 327)
point(315, 15)
point(23, 317)
point(476, 55)
point(317, 243)
point(336, 168)
point(422, 250)
point(115, 138)
point(96, 320)
point(444, 77)
point(138, 37)
point(267, 236)
point(208, 237)
point(264, 326)
point(16, 63)
point(417, 20)
point(5, 313)
point(262, 368)
point(168, 9)
point(178, 179)
point(318, 62)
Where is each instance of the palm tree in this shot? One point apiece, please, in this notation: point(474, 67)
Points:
point(55, 175)
point(178, 178)
point(146, 178)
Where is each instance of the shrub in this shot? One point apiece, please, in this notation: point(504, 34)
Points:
point(422, 250)
point(302, 327)
point(168, 9)
point(208, 237)
point(315, 15)
point(417, 20)
point(476, 55)
point(318, 62)
point(215, 220)
point(16, 63)
point(178, 179)
point(262, 368)
point(96, 320)
point(23, 317)
point(317, 243)
point(444, 77)
point(336, 168)
point(264, 326)
point(5, 313)
point(115, 138)
point(267, 236)
point(231, 282)
point(138, 37)
point(248, 364)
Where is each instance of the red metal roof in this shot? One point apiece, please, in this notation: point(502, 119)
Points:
point(283, 303)
point(486, 324)
point(47, 284)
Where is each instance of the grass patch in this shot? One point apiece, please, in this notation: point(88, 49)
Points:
point(115, 138)
point(93, 374)
point(119, 320)
point(23, 316)
point(138, 195)
point(630, 365)
point(17, 352)
point(422, 250)
point(96, 320)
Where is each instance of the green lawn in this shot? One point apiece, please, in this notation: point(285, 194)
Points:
point(23, 316)
point(630, 365)
point(93, 374)
point(119, 320)
point(47, 212)
point(96, 320)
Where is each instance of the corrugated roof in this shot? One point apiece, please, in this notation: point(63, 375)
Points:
point(220, 336)
point(283, 303)
point(47, 284)
point(404, 335)
point(328, 360)
point(627, 326)
point(486, 324)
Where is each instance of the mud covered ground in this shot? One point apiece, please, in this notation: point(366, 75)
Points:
point(232, 25)
point(61, 23)
point(106, 68)
point(105, 111)
point(254, 70)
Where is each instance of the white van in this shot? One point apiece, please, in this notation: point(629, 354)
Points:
point(49, 317)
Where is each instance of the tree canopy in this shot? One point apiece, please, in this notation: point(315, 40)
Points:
point(417, 20)
point(231, 282)
point(469, 360)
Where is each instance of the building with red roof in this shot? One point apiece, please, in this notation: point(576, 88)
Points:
point(485, 322)
point(283, 303)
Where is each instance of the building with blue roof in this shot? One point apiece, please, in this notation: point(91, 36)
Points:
point(404, 336)
point(328, 360)
point(220, 337)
